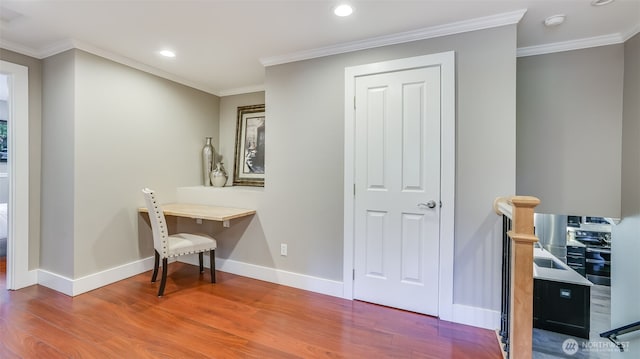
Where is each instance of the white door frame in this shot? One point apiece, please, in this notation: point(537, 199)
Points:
point(18, 274)
point(446, 61)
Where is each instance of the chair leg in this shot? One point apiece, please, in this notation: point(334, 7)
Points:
point(156, 263)
point(212, 265)
point(163, 281)
point(201, 258)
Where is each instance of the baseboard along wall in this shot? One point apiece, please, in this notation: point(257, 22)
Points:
point(462, 314)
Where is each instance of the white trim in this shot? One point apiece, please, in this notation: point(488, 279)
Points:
point(578, 44)
point(273, 275)
point(18, 273)
point(477, 317)
point(453, 28)
point(56, 282)
point(56, 48)
point(69, 44)
point(300, 281)
point(241, 90)
point(447, 184)
point(73, 287)
point(140, 66)
point(631, 33)
point(21, 49)
point(348, 266)
point(446, 61)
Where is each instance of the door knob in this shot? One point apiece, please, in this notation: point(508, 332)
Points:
point(430, 204)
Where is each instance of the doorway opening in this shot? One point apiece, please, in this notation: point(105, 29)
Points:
point(17, 271)
point(584, 244)
point(4, 176)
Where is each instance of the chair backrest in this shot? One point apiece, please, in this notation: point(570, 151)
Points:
point(158, 222)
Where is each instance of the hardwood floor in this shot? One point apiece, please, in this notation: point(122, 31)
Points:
point(236, 318)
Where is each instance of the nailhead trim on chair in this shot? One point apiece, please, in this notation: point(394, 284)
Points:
point(184, 253)
point(162, 225)
point(161, 239)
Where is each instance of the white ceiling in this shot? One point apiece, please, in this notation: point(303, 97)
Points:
point(222, 45)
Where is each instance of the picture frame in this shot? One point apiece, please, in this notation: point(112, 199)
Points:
point(249, 169)
point(3, 141)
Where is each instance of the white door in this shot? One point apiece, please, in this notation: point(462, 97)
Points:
point(397, 189)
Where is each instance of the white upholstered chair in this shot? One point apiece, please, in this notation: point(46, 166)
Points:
point(167, 246)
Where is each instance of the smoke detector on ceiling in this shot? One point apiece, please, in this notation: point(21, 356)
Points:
point(554, 20)
point(601, 2)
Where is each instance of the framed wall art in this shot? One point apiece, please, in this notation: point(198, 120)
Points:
point(250, 145)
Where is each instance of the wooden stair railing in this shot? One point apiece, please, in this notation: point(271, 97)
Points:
point(517, 305)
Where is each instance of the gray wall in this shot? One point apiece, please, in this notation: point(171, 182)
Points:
point(58, 179)
point(35, 129)
point(569, 130)
point(111, 132)
point(228, 118)
point(245, 240)
point(303, 195)
point(302, 201)
point(625, 289)
point(579, 110)
point(630, 201)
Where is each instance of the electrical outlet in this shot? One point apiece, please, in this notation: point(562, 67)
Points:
point(283, 249)
point(198, 220)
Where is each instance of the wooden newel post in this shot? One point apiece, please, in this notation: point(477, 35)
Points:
point(523, 238)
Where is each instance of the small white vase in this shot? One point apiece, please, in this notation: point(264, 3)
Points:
point(219, 175)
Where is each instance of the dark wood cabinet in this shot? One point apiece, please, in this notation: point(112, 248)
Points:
point(576, 259)
point(561, 307)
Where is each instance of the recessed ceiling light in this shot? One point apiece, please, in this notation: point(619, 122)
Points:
point(601, 2)
point(167, 53)
point(343, 10)
point(554, 20)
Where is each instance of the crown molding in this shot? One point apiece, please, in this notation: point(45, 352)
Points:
point(142, 67)
point(57, 48)
point(631, 33)
point(49, 50)
point(578, 44)
point(65, 45)
point(21, 49)
point(476, 24)
point(241, 90)
point(481, 23)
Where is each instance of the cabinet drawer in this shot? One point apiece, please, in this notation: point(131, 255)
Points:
point(575, 260)
point(562, 307)
point(575, 250)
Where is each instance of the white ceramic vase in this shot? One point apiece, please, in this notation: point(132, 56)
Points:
point(219, 175)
